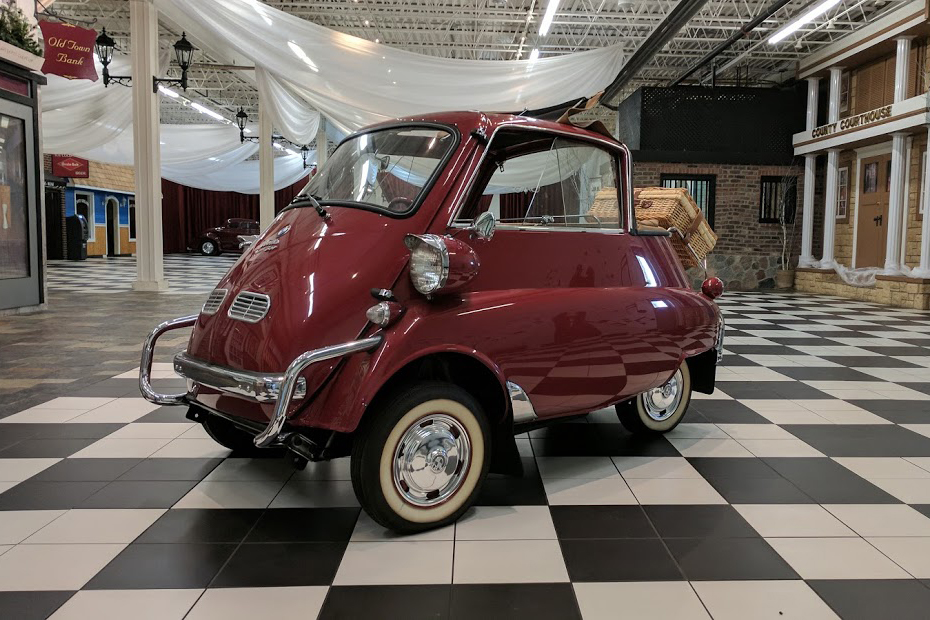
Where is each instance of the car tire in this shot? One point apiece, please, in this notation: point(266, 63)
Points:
point(209, 247)
point(446, 437)
point(658, 411)
point(230, 436)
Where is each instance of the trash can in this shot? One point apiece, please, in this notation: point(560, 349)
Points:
point(76, 232)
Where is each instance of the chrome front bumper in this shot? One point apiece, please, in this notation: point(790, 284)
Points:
point(718, 345)
point(280, 389)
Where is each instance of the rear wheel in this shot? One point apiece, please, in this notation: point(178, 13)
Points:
point(230, 436)
point(660, 409)
point(419, 460)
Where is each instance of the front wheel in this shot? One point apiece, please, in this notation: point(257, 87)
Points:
point(660, 409)
point(418, 461)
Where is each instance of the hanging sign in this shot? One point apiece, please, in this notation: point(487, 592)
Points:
point(69, 51)
point(71, 167)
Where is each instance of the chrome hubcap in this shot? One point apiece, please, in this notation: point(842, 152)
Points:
point(431, 460)
point(661, 402)
point(207, 247)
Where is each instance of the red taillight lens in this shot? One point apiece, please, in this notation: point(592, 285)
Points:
point(712, 287)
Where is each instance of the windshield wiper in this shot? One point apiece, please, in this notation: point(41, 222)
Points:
point(309, 200)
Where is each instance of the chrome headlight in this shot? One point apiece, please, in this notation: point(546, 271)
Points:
point(429, 262)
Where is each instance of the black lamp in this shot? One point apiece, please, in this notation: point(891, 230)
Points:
point(304, 154)
point(105, 46)
point(242, 119)
point(183, 53)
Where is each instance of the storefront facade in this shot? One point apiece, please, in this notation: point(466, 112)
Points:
point(871, 137)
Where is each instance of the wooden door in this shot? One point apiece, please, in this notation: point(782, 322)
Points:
point(872, 211)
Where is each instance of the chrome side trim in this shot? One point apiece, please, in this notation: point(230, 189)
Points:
point(263, 388)
point(268, 436)
point(523, 410)
point(718, 345)
point(145, 365)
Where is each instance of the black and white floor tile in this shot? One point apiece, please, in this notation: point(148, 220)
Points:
point(800, 489)
point(185, 273)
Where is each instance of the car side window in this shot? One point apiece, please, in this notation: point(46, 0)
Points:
point(571, 185)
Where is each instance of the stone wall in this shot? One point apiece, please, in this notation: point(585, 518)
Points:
point(747, 251)
point(889, 290)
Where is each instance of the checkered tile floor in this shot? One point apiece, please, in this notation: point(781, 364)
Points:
point(800, 489)
point(185, 273)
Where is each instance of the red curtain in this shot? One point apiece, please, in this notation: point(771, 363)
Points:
point(186, 211)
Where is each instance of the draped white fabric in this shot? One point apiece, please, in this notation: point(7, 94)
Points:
point(204, 156)
point(355, 82)
point(290, 116)
point(80, 114)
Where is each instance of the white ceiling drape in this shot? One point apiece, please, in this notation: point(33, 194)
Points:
point(85, 119)
point(355, 82)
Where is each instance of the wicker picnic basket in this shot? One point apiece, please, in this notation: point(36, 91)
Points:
point(674, 208)
point(666, 207)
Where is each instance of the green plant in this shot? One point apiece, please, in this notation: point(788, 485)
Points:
point(16, 30)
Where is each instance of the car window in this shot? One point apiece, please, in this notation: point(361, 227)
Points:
point(570, 185)
point(384, 170)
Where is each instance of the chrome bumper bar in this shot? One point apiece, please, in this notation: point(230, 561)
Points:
point(280, 389)
point(256, 386)
point(718, 345)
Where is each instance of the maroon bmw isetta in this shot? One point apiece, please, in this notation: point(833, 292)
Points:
point(444, 283)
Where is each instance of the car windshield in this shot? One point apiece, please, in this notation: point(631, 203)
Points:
point(385, 170)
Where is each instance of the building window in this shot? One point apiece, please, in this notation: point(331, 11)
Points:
point(778, 196)
point(84, 205)
point(702, 188)
point(842, 193)
point(132, 219)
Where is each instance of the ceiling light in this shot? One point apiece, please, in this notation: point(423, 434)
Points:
point(366, 22)
point(534, 54)
point(815, 12)
point(551, 8)
point(291, 152)
point(207, 111)
point(167, 91)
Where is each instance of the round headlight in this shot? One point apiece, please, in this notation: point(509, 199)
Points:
point(429, 262)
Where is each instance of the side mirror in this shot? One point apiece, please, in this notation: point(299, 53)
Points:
point(483, 226)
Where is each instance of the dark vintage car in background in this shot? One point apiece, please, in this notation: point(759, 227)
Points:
point(224, 238)
point(438, 287)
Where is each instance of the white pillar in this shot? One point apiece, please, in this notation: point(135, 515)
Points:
point(896, 198)
point(810, 168)
point(265, 168)
point(322, 145)
point(143, 26)
point(923, 268)
point(829, 215)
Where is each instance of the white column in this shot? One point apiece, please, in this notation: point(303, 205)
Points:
point(829, 215)
point(923, 268)
point(265, 168)
point(896, 198)
point(143, 27)
point(810, 168)
point(322, 145)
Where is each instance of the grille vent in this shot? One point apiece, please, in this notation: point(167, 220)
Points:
point(249, 307)
point(214, 301)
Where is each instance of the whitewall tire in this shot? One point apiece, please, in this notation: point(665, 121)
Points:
point(419, 458)
point(660, 409)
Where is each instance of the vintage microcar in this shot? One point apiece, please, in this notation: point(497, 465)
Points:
point(440, 286)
